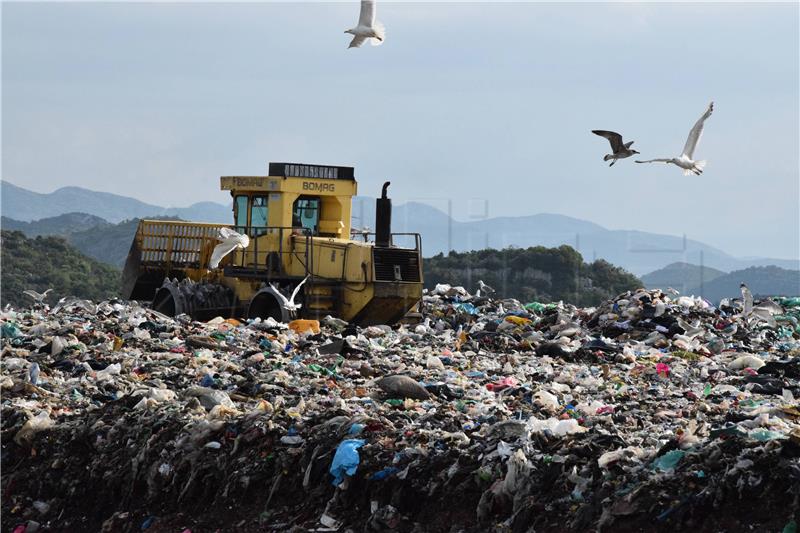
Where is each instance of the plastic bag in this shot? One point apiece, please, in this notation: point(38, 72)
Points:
point(669, 460)
point(346, 459)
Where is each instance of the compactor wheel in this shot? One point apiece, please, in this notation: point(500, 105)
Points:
point(199, 300)
point(168, 300)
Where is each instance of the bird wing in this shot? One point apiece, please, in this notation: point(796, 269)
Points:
point(357, 41)
point(665, 160)
point(45, 292)
point(220, 251)
point(367, 16)
point(226, 233)
point(32, 294)
point(230, 241)
point(696, 133)
point(614, 138)
point(297, 289)
point(284, 301)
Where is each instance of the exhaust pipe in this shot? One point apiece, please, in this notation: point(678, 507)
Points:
point(383, 219)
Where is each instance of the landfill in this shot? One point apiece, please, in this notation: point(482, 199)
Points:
point(651, 412)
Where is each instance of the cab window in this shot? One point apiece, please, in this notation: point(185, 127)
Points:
point(305, 214)
point(240, 212)
point(259, 215)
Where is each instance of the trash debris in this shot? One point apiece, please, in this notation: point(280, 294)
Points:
point(651, 410)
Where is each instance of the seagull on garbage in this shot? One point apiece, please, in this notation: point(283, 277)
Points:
point(38, 297)
point(672, 292)
point(289, 304)
point(230, 241)
point(619, 150)
point(368, 27)
point(690, 330)
point(747, 299)
point(33, 373)
point(685, 161)
point(484, 289)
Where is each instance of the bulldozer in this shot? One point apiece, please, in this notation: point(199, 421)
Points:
point(298, 223)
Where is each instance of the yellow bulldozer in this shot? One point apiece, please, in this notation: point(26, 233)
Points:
point(298, 223)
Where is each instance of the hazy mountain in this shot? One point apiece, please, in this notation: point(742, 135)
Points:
point(681, 276)
point(24, 205)
point(59, 225)
point(109, 244)
point(762, 281)
point(636, 251)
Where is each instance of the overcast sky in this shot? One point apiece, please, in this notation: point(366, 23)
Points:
point(464, 101)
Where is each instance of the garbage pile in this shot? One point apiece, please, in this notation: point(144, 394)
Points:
point(653, 411)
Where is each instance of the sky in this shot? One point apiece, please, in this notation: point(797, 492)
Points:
point(488, 105)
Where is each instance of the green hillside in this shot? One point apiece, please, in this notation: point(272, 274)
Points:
point(532, 274)
point(50, 262)
point(91, 235)
point(762, 281)
point(109, 244)
point(681, 276)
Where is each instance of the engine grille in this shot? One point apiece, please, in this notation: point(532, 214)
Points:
point(392, 263)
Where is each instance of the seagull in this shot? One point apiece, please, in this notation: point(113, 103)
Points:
point(38, 297)
point(289, 304)
point(690, 330)
point(672, 292)
point(484, 289)
point(368, 27)
point(364, 232)
point(230, 241)
point(685, 161)
point(33, 373)
point(619, 149)
point(747, 299)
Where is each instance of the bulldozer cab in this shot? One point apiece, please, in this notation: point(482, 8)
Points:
point(307, 199)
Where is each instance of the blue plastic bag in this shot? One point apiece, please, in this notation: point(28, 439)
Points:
point(346, 459)
point(467, 308)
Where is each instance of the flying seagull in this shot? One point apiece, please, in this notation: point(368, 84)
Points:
point(230, 241)
point(38, 297)
point(619, 150)
point(685, 161)
point(368, 27)
point(289, 304)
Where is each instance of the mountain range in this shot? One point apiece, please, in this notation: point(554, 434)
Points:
point(714, 284)
point(762, 281)
point(636, 251)
point(683, 277)
point(24, 205)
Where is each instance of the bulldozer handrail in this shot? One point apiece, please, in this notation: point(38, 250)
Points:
point(366, 234)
